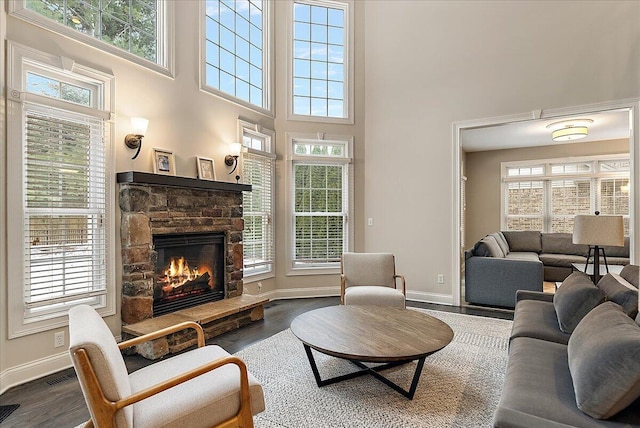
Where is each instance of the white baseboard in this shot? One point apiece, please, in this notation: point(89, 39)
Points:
point(32, 370)
point(421, 296)
point(301, 293)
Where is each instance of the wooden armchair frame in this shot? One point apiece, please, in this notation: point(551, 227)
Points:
point(104, 410)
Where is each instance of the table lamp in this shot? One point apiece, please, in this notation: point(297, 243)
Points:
point(597, 231)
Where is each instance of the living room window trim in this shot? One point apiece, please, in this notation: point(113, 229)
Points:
point(348, 7)
point(165, 28)
point(348, 186)
point(547, 177)
point(21, 59)
point(268, 72)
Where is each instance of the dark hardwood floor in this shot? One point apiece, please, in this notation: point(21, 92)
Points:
point(56, 400)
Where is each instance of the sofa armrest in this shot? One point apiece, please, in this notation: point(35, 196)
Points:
point(533, 295)
point(494, 281)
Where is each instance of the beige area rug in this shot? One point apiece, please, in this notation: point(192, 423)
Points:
point(460, 385)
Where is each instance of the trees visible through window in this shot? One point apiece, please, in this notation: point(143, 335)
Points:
point(234, 49)
point(547, 196)
point(319, 59)
point(320, 202)
point(131, 25)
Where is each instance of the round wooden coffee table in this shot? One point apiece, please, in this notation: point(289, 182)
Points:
point(374, 334)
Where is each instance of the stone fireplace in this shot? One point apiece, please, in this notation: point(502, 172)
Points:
point(174, 210)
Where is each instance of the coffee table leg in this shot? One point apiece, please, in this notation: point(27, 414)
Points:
point(368, 370)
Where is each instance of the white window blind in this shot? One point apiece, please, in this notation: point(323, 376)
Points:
point(65, 207)
point(319, 213)
point(258, 239)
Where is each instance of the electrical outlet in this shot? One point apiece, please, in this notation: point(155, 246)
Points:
point(369, 221)
point(440, 278)
point(259, 287)
point(58, 339)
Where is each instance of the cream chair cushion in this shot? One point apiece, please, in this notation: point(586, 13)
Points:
point(368, 269)
point(201, 402)
point(374, 295)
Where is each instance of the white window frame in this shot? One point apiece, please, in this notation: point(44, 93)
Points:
point(20, 60)
point(268, 136)
point(348, 186)
point(165, 63)
point(268, 25)
point(547, 177)
point(348, 7)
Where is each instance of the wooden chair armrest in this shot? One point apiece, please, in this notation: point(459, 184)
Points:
point(163, 332)
point(105, 409)
point(404, 286)
point(342, 288)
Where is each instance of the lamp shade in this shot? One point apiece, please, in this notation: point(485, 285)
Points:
point(598, 230)
point(139, 125)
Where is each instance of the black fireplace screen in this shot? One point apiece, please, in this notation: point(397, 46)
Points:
point(189, 271)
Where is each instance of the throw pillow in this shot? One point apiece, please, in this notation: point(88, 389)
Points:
point(574, 299)
point(488, 247)
point(620, 291)
point(523, 240)
point(502, 242)
point(604, 361)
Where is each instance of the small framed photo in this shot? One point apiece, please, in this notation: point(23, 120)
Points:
point(206, 170)
point(164, 162)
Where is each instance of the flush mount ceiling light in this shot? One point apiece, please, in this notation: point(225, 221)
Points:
point(569, 130)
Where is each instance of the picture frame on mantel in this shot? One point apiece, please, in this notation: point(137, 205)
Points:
point(164, 162)
point(206, 168)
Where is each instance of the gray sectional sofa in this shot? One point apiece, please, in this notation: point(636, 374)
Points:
point(574, 357)
point(503, 262)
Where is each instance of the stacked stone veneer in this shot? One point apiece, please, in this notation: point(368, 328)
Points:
point(150, 209)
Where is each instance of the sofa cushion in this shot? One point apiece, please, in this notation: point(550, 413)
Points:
point(521, 255)
point(620, 291)
point(537, 319)
point(604, 360)
point(538, 384)
point(621, 261)
point(488, 247)
point(562, 243)
point(523, 240)
point(575, 297)
point(561, 260)
point(632, 274)
point(502, 242)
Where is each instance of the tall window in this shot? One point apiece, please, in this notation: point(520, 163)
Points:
point(235, 51)
point(321, 188)
point(320, 71)
point(60, 216)
point(135, 26)
point(258, 169)
point(547, 195)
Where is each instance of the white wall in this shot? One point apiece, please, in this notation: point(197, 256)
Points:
point(183, 119)
point(429, 64)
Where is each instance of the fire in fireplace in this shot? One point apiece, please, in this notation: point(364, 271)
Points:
point(189, 271)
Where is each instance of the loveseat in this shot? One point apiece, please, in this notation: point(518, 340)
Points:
point(503, 262)
point(574, 357)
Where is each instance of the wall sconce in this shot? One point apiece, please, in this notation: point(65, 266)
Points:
point(134, 140)
point(232, 160)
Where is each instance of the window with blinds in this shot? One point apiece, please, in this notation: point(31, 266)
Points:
point(58, 169)
point(320, 202)
point(547, 195)
point(65, 207)
point(257, 239)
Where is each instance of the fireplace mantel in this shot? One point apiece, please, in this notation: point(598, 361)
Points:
point(137, 177)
